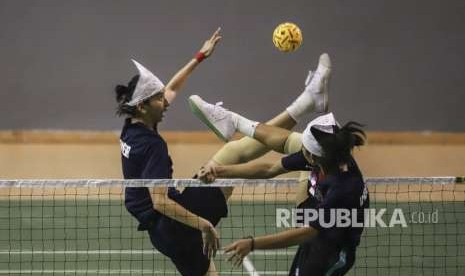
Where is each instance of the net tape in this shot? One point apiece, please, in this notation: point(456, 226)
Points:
point(71, 183)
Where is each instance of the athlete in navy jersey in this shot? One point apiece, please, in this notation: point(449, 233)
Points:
point(335, 182)
point(146, 158)
point(180, 225)
point(333, 250)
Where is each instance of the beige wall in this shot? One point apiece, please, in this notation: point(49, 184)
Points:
point(100, 159)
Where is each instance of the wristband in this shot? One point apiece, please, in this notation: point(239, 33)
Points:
point(252, 246)
point(200, 56)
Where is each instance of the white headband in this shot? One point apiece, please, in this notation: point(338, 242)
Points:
point(147, 85)
point(325, 123)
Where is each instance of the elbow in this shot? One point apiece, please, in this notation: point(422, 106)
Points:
point(170, 94)
point(269, 171)
point(158, 206)
point(159, 203)
point(267, 174)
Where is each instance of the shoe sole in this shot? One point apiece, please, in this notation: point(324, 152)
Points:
point(325, 93)
point(328, 65)
point(199, 114)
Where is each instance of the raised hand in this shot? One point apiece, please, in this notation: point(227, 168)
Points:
point(209, 45)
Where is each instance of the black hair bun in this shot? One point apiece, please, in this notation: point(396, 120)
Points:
point(122, 93)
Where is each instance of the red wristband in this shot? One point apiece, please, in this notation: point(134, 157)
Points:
point(200, 56)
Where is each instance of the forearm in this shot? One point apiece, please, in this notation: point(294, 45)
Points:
point(285, 239)
point(178, 80)
point(253, 170)
point(173, 210)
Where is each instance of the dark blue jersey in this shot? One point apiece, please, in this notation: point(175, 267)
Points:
point(296, 162)
point(345, 190)
point(348, 191)
point(144, 155)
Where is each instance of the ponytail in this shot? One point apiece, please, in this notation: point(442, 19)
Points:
point(337, 146)
point(124, 95)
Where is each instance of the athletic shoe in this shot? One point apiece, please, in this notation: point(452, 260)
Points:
point(217, 118)
point(317, 84)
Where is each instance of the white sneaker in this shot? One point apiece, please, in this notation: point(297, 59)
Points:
point(217, 118)
point(314, 98)
point(317, 84)
point(309, 77)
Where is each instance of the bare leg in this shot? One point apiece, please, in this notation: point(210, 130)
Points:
point(314, 98)
point(271, 136)
point(247, 149)
point(282, 120)
point(275, 133)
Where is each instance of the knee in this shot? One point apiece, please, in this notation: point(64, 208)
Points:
point(230, 153)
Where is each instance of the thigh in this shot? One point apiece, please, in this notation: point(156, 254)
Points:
point(240, 151)
point(320, 256)
point(293, 143)
point(182, 244)
point(191, 261)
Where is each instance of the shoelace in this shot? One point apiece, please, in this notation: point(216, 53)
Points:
point(317, 76)
point(218, 111)
point(309, 77)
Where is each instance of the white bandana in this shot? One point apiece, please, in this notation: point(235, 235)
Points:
point(325, 123)
point(147, 85)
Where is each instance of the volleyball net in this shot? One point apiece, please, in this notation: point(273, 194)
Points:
point(81, 227)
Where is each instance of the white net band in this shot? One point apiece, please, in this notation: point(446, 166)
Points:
point(37, 183)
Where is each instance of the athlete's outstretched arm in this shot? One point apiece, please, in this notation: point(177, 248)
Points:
point(224, 162)
point(242, 248)
point(178, 80)
point(250, 170)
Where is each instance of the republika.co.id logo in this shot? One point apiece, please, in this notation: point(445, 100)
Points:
point(352, 217)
